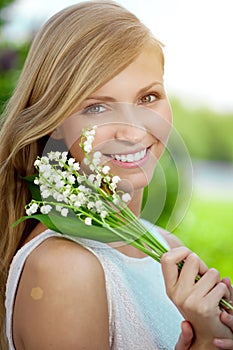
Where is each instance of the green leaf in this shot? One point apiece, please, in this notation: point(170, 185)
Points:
point(72, 226)
point(145, 197)
point(33, 188)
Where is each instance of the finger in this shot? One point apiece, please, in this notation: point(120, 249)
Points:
point(192, 267)
point(227, 281)
point(169, 263)
point(186, 336)
point(213, 298)
point(207, 282)
point(227, 319)
point(226, 344)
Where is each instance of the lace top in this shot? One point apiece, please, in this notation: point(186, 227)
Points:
point(140, 314)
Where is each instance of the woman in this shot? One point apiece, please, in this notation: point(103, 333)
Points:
point(90, 60)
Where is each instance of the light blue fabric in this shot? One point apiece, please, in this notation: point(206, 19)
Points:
point(140, 314)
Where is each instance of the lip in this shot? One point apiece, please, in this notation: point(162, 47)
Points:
point(130, 165)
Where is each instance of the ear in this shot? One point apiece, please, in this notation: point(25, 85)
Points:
point(57, 134)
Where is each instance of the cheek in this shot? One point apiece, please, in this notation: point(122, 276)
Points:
point(163, 122)
point(76, 152)
point(104, 134)
point(72, 139)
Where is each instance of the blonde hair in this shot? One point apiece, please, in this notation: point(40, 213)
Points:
point(76, 51)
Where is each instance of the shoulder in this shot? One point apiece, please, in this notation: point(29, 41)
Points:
point(62, 298)
point(60, 254)
point(171, 239)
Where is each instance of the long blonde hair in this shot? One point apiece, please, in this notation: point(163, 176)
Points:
point(76, 51)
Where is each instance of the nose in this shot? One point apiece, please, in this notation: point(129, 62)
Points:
point(130, 126)
point(130, 133)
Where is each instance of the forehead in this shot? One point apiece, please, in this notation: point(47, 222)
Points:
point(145, 69)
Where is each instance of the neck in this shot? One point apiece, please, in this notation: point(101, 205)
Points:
point(135, 207)
point(136, 202)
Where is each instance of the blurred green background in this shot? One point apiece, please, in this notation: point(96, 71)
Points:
point(202, 220)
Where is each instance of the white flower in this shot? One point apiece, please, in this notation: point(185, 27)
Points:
point(45, 209)
point(77, 204)
point(46, 193)
point(115, 199)
point(99, 206)
point(71, 161)
point(90, 205)
point(91, 131)
point(64, 156)
point(91, 178)
point(87, 148)
point(88, 221)
point(81, 197)
point(97, 154)
point(115, 179)
point(54, 155)
point(114, 183)
point(103, 214)
point(126, 197)
point(82, 188)
point(96, 161)
point(86, 161)
point(59, 184)
point(98, 181)
point(64, 212)
point(105, 169)
point(55, 178)
point(37, 163)
point(45, 170)
point(71, 179)
point(66, 193)
point(36, 181)
point(58, 197)
point(58, 208)
point(73, 197)
point(32, 209)
point(76, 166)
point(87, 145)
point(45, 160)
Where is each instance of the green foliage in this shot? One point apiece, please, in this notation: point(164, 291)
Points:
point(161, 194)
point(207, 134)
point(207, 230)
point(12, 58)
point(3, 5)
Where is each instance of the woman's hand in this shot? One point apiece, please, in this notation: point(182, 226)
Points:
point(186, 337)
point(227, 319)
point(197, 301)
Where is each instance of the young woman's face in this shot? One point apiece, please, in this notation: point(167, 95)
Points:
point(133, 119)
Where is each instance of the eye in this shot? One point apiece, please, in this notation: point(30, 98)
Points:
point(148, 98)
point(94, 109)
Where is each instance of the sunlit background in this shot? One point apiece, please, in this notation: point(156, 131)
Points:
point(198, 74)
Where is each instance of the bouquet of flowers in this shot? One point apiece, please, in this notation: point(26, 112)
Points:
point(88, 205)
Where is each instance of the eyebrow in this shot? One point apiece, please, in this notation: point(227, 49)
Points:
point(112, 99)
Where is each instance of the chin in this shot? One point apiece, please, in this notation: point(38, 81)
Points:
point(135, 182)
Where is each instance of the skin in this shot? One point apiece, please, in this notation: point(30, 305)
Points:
point(72, 312)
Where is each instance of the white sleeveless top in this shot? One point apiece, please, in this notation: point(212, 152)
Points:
point(141, 316)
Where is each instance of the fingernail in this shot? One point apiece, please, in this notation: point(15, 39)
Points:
point(226, 315)
point(218, 342)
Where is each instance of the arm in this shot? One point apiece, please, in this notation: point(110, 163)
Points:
point(197, 302)
point(71, 310)
point(187, 333)
point(227, 319)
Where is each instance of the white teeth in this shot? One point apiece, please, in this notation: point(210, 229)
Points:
point(130, 158)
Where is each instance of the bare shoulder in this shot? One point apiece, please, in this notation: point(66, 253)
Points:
point(61, 301)
point(171, 239)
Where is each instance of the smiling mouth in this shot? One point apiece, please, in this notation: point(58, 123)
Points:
point(130, 157)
